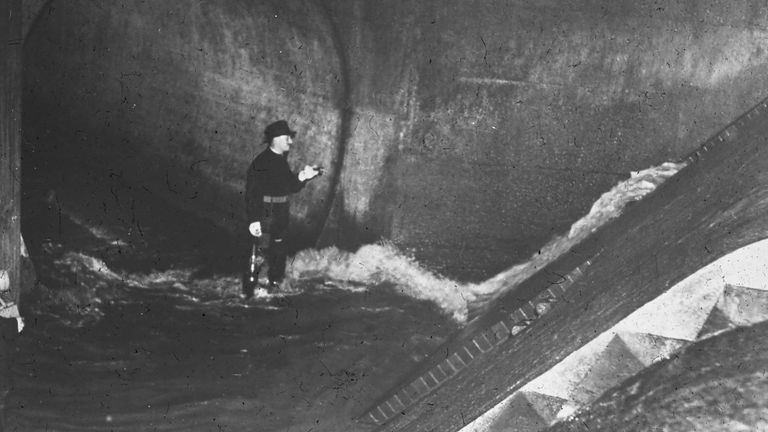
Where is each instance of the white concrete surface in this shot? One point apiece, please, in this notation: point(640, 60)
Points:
point(661, 327)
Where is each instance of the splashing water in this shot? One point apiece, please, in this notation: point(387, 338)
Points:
point(608, 207)
point(367, 268)
point(82, 284)
point(372, 264)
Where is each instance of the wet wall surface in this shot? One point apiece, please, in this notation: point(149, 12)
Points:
point(468, 132)
point(526, 113)
point(175, 97)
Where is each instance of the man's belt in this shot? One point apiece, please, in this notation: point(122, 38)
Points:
point(275, 199)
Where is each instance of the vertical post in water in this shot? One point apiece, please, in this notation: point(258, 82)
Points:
point(10, 177)
point(10, 144)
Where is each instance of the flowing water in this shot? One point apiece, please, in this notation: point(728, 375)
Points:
point(136, 322)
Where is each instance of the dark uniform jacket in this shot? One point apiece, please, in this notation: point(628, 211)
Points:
point(269, 175)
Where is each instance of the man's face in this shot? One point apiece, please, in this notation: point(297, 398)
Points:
point(282, 143)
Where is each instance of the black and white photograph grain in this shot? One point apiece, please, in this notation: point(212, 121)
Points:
point(383, 215)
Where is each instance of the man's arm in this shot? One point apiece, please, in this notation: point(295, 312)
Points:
point(254, 194)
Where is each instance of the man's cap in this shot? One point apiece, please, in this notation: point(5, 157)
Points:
point(277, 129)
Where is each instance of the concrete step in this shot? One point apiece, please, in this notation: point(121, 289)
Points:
point(738, 306)
point(744, 305)
point(547, 406)
point(630, 352)
point(520, 416)
point(649, 348)
point(523, 412)
point(680, 312)
point(563, 379)
point(717, 322)
point(730, 292)
point(615, 364)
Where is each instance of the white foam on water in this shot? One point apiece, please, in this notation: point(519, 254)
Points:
point(78, 300)
point(608, 207)
point(368, 267)
point(377, 263)
point(374, 264)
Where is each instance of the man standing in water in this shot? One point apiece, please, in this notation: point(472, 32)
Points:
point(269, 182)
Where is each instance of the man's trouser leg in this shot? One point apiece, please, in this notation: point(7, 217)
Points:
point(277, 260)
point(277, 254)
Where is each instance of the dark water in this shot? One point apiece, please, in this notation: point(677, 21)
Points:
point(136, 324)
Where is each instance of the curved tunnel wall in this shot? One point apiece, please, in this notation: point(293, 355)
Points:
point(471, 131)
point(507, 120)
point(175, 95)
